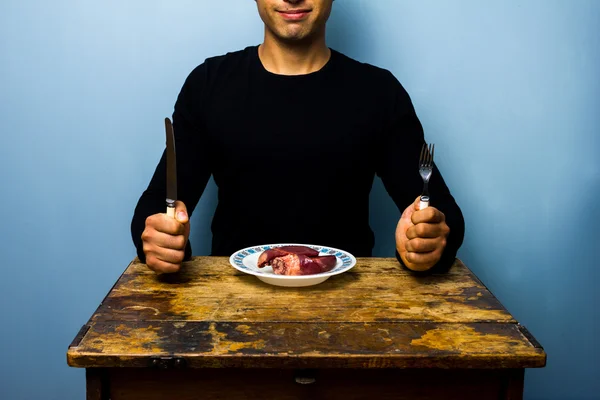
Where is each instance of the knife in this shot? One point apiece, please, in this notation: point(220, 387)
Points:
point(171, 169)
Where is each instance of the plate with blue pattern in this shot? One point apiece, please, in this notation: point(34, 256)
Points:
point(246, 261)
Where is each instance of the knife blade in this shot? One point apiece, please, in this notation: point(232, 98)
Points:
point(171, 169)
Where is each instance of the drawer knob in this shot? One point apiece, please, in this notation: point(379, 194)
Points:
point(304, 380)
point(305, 377)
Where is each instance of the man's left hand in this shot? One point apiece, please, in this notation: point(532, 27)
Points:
point(421, 236)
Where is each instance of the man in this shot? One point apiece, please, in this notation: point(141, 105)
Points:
point(293, 133)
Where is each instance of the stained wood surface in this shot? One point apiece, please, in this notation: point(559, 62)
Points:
point(378, 315)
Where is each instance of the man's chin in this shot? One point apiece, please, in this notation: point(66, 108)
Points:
point(296, 38)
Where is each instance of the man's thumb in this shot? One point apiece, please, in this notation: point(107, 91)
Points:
point(417, 203)
point(181, 212)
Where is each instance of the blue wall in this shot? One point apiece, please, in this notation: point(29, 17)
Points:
point(508, 90)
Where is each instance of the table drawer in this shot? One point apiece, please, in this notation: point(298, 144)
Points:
point(348, 384)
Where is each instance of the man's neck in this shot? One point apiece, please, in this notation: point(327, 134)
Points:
point(293, 58)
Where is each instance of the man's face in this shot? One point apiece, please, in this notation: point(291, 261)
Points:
point(294, 20)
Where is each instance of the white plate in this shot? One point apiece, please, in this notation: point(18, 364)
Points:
point(246, 260)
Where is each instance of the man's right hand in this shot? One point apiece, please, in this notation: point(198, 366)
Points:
point(165, 238)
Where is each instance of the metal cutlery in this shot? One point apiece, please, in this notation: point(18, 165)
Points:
point(171, 169)
point(425, 170)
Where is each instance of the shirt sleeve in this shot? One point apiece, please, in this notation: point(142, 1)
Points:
point(400, 146)
point(193, 162)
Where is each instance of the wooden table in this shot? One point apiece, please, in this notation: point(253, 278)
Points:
point(376, 332)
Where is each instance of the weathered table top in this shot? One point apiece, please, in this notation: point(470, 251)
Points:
point(377, 315)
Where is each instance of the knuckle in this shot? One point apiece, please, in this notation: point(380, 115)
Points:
point(417, 244)
point(176, 228)
point(151, 262)
point(170, 268)
point(151, 220)
point(411, 257)
point(163, 268)
point(180, 242)
point(149, 247)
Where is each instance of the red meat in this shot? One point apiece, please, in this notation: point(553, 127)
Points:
point(299, 264)
point(267, 256)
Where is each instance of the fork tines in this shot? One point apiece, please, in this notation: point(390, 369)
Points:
point(426, 158)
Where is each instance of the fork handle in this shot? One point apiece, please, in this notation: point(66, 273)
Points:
point(424, 202)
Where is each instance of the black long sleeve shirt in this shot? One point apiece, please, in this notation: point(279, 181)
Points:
point(294, 157)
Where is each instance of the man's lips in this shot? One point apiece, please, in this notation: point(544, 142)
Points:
point(294, 15)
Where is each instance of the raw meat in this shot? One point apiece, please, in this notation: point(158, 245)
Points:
point(299, 264)
point(267, 256)
point(296, 260)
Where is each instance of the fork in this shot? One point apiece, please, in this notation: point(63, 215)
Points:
point(425, 170)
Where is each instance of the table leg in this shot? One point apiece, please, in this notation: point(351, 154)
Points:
point(97, 384)
point(513, 385)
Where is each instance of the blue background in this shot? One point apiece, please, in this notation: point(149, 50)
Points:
point(508, 90)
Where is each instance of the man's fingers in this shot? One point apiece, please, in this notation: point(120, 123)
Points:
point(423, 244)
point(416, 203)
point(157, 239)
point(420, 245)
point(163, 260)
point(163, 253)
point(166, 241)
point(425, 230)
point(429, 215)
point(423, 258)
point(181, 212)
point(157, 265)
point(165, 224)
point(171, 256)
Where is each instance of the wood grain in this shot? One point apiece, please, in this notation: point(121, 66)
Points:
point(375, 290)
point(307, 345)
point(376, 316)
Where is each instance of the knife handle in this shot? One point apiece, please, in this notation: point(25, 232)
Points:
point(171, 212)
point(170, 208)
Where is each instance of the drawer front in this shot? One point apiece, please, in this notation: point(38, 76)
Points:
point(188, 384)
